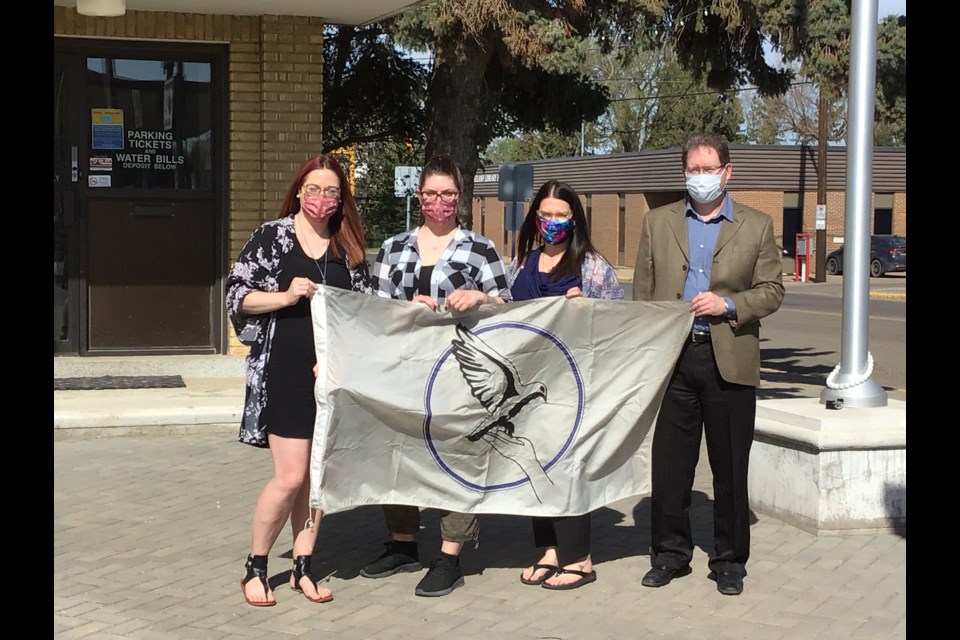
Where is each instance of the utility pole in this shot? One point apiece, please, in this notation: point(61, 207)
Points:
point(823, 111)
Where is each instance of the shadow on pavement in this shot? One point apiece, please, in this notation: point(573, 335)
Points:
point(786, 373)
point(505, 541)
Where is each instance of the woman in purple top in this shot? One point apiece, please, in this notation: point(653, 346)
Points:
point(555, 257)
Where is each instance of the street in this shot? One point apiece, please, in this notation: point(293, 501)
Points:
point(800, 344)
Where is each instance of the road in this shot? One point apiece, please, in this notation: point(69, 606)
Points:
point(800, 343)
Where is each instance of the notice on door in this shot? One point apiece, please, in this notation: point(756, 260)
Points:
point(155, 150)
point(107, 128)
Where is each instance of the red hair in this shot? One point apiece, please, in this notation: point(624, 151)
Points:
point(344, 225)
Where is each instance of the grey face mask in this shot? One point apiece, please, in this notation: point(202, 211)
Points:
point(704, 188)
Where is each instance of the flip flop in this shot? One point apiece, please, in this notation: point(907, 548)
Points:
point(585, 578)
point(552, 570)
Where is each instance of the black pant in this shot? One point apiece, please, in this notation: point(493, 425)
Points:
point(698, 401)
point(569, 534)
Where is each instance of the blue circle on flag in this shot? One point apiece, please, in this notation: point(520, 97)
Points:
point(570, 424)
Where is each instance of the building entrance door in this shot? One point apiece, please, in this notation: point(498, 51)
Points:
point(65, 201)
point(138, 233)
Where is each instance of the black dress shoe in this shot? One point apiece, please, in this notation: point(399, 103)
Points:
point(661, 576)
point(729, 583)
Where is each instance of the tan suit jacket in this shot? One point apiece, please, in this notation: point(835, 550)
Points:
point(747, 267)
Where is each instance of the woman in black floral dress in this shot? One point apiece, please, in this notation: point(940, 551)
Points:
point(317, 239)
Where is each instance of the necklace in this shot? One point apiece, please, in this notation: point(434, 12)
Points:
point(322, 270)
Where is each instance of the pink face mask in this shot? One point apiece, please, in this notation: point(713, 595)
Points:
point(318, 208)
point(439, 211)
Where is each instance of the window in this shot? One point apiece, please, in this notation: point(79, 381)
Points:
point(150, 123)
point(882, 213)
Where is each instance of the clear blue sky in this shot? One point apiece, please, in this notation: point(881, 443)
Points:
point(895, 7)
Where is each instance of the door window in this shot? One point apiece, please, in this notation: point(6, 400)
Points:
point(150, 124)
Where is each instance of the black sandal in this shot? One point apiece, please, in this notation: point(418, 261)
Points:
point(301, 568)
point(256, 568)
point(551, 570)
point(586, 577)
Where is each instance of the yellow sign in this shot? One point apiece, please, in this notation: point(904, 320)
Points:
point(106, 116)
point(347, 157)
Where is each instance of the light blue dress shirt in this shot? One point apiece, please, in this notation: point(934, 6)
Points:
point(702, 238)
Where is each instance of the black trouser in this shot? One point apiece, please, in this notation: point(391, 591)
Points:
point(698, 401)
point(569, 534)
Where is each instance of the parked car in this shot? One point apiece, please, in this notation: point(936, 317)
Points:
point(887, 254)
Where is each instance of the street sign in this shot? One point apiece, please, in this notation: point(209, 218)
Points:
point(515, 183)
point(406, 180)
point(821, 224)
point(821, 213)
point(513, 215)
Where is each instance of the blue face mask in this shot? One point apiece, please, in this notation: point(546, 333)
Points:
point(554, 231)
point(704, 188)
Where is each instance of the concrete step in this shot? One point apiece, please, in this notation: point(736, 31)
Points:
point(194, 366)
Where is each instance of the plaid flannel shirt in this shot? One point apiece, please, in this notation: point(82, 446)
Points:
point(469, 262)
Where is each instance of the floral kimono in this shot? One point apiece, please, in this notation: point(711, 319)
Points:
point(258, 269)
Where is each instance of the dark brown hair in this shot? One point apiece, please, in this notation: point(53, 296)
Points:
point(715, 142)
point(571, 263)
point(442, 166)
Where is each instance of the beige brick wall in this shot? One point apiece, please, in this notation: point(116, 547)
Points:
point(900, 214)
point(836, 201)
point(605, 225)
point(635, 208)
point(770, 202)
point(493, 226)
point(274, 85)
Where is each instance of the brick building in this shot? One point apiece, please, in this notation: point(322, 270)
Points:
point(177, 126)
point(617, 190)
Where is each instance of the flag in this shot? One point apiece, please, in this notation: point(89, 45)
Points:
point(543, 407)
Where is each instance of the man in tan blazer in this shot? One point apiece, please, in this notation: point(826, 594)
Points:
point(722, 257)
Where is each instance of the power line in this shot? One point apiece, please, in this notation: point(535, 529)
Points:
point(699, 93)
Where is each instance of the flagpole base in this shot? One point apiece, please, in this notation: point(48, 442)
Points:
point(866, 394)
point(828, 471)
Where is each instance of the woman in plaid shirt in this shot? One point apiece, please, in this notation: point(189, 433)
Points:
point(443, 266)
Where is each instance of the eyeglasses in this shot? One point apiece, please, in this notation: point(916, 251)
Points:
point(446, 196)
point(698, 171)
point(558, 216)
point(314, 190)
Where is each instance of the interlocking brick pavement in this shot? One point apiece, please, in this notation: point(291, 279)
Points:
point(151, 531)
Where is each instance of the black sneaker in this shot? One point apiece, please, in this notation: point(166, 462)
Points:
point(398, 557)
point(443, 577)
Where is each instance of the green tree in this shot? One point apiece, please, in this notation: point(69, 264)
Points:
point(793, 116)
point(383, 213)
point(532, 145)
point(506, 65)
point(500, 66)
point(632, 68)
point(890, 114)
point(695, 109)
point(371, 90)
